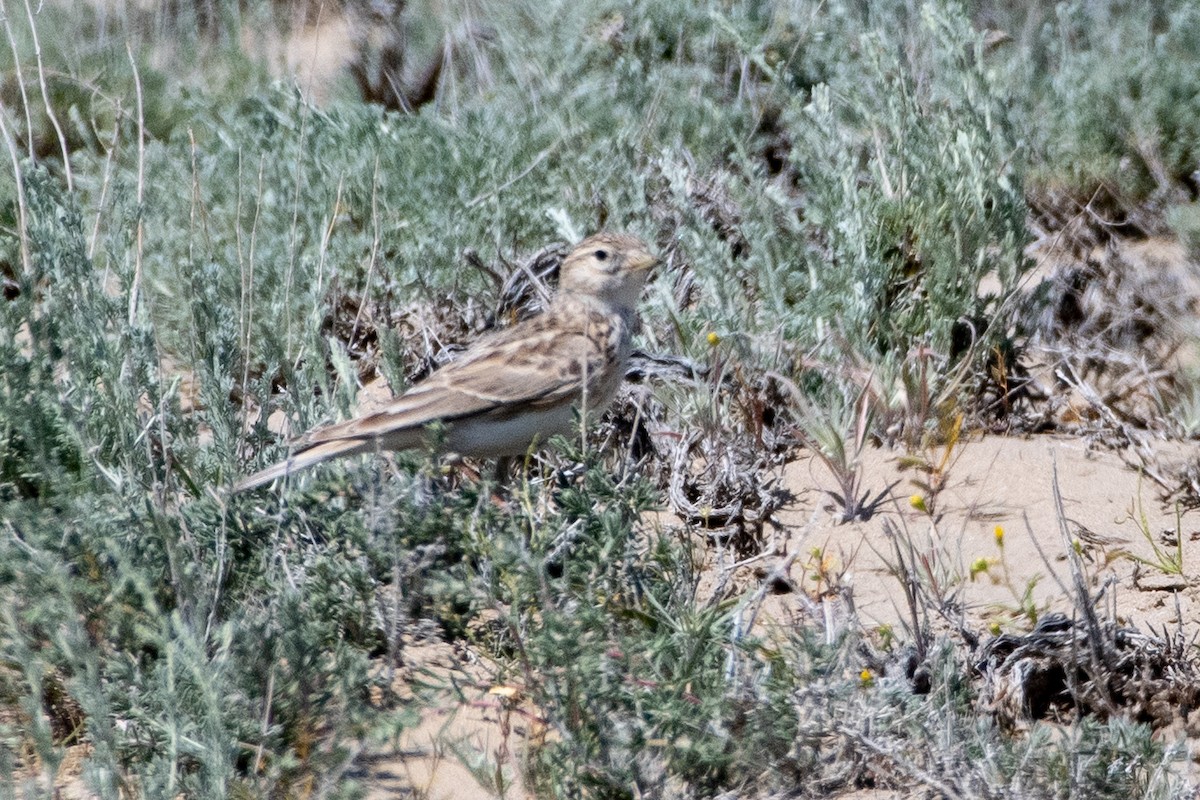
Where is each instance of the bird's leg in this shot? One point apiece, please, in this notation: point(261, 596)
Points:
point(499, 490)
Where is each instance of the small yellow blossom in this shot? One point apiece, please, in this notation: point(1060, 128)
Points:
point(866, 678)
point(994, 629)
point(918, 502)
point(999, 534)
point(714, 338)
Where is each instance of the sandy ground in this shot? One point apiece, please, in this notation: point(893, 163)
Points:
point(1007, 483)
point(468, 747)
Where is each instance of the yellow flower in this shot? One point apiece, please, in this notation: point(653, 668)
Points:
point(999, 534)
point(714, 338)
point(918, 502)
point(866, 678)
point(994, 628)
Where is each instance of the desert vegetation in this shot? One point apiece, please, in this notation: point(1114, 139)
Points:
point(889, 231)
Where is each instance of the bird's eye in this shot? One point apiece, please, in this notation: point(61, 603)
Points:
point(601, 255)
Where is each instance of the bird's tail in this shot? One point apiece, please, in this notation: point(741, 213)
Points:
point(304, 459)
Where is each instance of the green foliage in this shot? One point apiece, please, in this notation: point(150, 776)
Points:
point(1116, 96)
point(1104, 93)
point(913, 186)
point(827, 193)
point(628, 671)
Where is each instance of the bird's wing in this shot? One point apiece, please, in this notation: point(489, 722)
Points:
point(539, 362)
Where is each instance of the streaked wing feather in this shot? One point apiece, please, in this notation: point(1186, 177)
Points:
point(519, 367)
point(298, 461)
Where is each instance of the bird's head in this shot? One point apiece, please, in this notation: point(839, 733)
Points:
point(608, 266)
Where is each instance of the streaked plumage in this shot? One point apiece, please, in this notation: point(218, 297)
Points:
point(518, 385)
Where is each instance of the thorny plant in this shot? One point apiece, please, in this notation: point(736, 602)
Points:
point(905, 406)
point(837, 438)
point(928, 587)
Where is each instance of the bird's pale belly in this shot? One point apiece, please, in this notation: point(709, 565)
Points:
point(511, 435)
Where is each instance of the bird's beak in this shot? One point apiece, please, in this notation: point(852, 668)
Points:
point(643, 262)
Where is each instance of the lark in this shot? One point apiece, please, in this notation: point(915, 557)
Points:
point(516, 387)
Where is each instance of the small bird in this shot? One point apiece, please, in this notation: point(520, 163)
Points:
point(516, 386)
